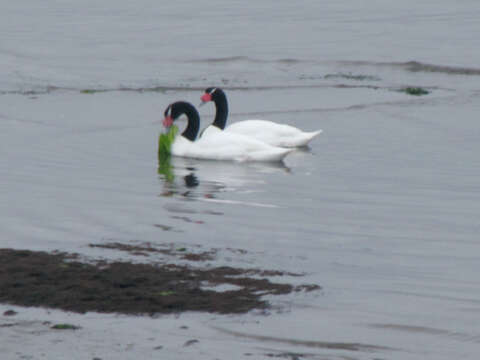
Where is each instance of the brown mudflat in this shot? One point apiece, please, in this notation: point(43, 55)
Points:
point(58, 280)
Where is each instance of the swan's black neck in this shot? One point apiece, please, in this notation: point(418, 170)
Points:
point(191, 131)
point(220, 100)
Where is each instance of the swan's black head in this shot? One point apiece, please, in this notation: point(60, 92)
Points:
point(212, 94)
point(175, 110)
point(217, 95)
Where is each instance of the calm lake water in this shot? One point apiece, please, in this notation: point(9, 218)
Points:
point(381, 210)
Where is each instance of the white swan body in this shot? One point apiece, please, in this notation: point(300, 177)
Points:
point(216, 144)
point(272, 133)
point(221, 146)
point(266, 131)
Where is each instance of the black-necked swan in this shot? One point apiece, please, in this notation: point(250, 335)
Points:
point(266, 131)
point(215, 145)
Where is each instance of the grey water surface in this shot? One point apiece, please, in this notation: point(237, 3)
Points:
point(381, 210)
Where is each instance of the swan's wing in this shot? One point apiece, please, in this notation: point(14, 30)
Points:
point(272, 133)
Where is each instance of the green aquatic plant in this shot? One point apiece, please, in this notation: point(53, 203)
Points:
point(165, 142)
point(416, 91)
point(165, 168)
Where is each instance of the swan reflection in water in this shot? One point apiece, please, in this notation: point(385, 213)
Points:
point(204, 179)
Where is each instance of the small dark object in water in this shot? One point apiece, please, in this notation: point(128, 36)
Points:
point(190, 342)
point(65, 327)
point(416, 91)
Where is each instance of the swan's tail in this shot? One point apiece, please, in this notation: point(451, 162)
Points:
point(306, 137)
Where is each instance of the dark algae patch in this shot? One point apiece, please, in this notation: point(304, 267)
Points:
point(65, 327)
point(415, 91)
point(10, 313)
point(57, 280)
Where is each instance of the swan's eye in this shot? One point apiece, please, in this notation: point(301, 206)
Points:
point(212, 91)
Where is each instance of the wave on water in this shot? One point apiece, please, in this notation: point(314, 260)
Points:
point(164, 89)
point(315, 79)
point(412, 66)
point(247, 59)
point(461, 336)
point(416, 66)
point(353, 346)
point(51, 89)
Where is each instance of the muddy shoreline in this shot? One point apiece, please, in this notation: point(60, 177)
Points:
point(61, 281)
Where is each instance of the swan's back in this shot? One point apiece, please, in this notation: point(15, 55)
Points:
point(272, 133)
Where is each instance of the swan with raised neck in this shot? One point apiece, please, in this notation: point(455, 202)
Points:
point(269, 132)
point(220, 100)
